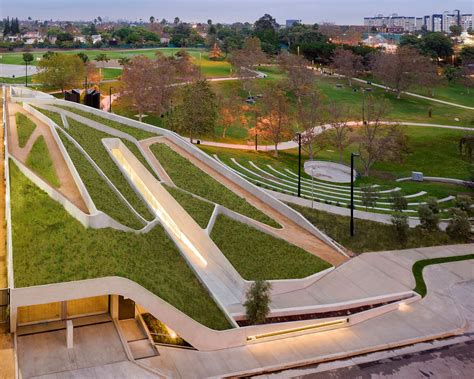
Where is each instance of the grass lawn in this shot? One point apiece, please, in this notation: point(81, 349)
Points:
point(199, 210)
point(190, 178)
point(420, 265)
point(66, 251)
point(369, 235)
point(452, 92)
point(104, 198)
point(257, 255)
point(25, 128)
point(111, 73)
point(39, 160)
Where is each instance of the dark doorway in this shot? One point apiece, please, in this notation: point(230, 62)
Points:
point(126, 308)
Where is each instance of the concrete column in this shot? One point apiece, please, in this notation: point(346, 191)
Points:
point(114, 306)
point(70, 334)
point(13, 318)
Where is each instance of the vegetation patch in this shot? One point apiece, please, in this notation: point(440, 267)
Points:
point(199, 210)
point(420, 265)
point(39, 160)
point(190, 178)
point(161, 333)
point(139, 134)
point(370, 235)
point(260, 256)
point(24, 127)
point(66, 251)
point(104, 198)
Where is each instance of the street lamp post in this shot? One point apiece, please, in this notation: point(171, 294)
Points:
point(353, 155)
point(256, 140)
point(26, 77)
point(299, 164)
point(312, 187)
point(110, 99)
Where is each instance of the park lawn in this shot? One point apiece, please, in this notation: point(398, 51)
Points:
point(199, 210)
point(24, 127)
point(370, 235)
point(259, 256)
point(109, 73)
point(452, 92)
point(66, 251)
point(16, 80)
point(104, 198)
point(418, 267)
point(190, 178)
point(39, 160)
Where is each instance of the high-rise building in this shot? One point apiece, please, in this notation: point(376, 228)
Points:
point(466, 21)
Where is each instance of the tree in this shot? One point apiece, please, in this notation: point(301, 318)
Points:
point(433, 204)
point(142, 87)
point(339, 116)
point(152, 20)
point(428, 219)
point(310, 125)
point(300, 79)
point(84, 57)
point(273, 124)
point(122, 61)
point(197, 111)
point(265, 29)
point(229, 112)
point(399, 202)
point(27, 58)
point(401, 227)
point(216, 53)
point(459, 227)
point(60, 71)
point(186, 71)
point(100, 58)
point(346, 63)
point(257, 303)
point(455, 30)
point(464, 202)
point(378, 142)
point(436, 45)
point(401, 70)
point(176, 20)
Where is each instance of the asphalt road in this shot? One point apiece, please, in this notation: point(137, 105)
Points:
point(455, 361)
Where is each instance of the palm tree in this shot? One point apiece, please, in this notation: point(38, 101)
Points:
point(101, 58)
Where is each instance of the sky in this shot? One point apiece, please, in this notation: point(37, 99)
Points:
point(309, 11)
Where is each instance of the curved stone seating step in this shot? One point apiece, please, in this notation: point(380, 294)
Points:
point(334, 172)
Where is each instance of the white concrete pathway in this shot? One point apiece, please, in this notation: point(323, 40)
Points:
point(439, 314)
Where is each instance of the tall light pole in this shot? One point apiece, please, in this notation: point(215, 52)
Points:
point(299, 164)
point(353, 155)
point(26, 77)
point(110, 99)
point(312, 187)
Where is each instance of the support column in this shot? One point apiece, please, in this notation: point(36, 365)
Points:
point(70, 334)
point(114, 306)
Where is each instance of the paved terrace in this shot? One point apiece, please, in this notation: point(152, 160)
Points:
point(445, 311)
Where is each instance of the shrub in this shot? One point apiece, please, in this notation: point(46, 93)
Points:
point(433, 204)
point(464, 202)
point(429, 220)
point(401, 227)
point(369, 196)
point(459, 227)
point(399, 203)
point(257, 305)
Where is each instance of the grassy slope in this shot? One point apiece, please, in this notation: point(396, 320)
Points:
point(369, 235)
point(199, 210)
point(66, 251)
point(91, 140)
point(104, 198)
point(257, 255)
point(39, 160)
point(25, 128)
point(188, 177)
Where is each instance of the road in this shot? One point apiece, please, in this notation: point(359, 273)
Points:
point(456, 361)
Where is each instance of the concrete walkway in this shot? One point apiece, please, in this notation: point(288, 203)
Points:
point(439, 314)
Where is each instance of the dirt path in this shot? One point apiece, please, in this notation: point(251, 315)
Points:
point(3, 254)
point(291, 231)
point(68, 186)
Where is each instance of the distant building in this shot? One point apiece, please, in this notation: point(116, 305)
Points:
point(290, 23)
point(466, 21)
point(391, 24)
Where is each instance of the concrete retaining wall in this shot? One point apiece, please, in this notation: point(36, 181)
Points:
point(196, 334)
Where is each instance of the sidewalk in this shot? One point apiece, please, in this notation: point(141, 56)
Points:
point(440, 314)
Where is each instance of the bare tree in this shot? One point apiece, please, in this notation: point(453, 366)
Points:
point(310, 122)
point(273, 124)
point(403, 69)
point(346, 63)
point(339, 115)
point(301, 79)
point(378, 141)
point(229, 111)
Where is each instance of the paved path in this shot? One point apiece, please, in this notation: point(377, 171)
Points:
point(287, 145)
point(3, 254)
point(8, 70)
point(439, 314)
point(68, 186)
